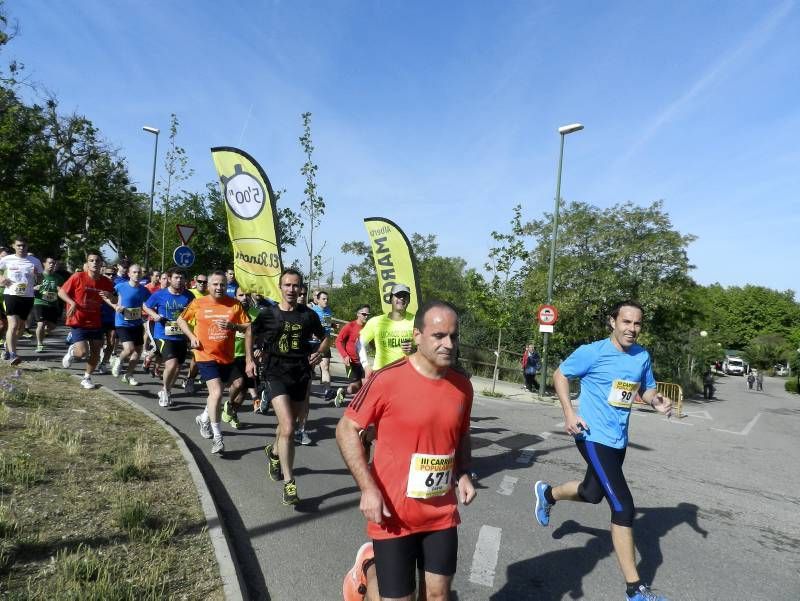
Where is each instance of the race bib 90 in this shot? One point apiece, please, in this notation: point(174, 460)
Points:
point(429, 475)
point(622, 393)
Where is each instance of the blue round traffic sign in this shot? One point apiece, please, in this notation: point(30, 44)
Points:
point(183, 256)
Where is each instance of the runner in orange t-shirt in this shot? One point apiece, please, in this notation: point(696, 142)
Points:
point(216, 319)
point(420, 470)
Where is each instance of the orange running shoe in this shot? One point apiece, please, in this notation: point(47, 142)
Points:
point(354, 587)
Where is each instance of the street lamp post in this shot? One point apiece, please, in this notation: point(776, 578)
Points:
point(563, 131)
point(155, 131)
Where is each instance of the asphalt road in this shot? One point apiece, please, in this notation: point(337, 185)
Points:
point(717, 494)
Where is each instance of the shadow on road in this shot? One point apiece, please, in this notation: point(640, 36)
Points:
point(551, 576)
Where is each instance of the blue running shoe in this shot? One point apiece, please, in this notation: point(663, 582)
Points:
point(542, 504)
point(645, 594)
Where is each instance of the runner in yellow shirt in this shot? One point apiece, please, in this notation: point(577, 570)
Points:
point(391, 333)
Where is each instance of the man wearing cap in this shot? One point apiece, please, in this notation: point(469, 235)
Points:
point(391, 333)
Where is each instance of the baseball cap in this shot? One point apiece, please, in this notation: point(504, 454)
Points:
point(397, 288)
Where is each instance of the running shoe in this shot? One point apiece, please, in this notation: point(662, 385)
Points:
point(217, 446)
point(115, 366)
point(14, 359)
point(188, 385)
point(86, 383)
point(300, 437)
point(27, 333)
point(69, 357)
point(290, 493)
point(329, 394)
point(543, 506)
point(39, 348)
point(338, 400)
point(645, 594)
point(354, 587)
point(205, 427)
point(100, 369)
point(163, 400)
point(6, 355)
point(273, 464)
point(229, 416)
point(130, 380)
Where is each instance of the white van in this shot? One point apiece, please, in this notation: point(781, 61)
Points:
point(733, 366)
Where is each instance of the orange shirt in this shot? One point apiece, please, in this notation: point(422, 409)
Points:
point(419, 425)
point(216, 344)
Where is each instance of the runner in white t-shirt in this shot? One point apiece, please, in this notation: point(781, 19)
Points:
point(19, 273)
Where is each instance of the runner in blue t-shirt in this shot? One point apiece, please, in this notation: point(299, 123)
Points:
point(612, 372)
point(131, 295)
point(165, 306)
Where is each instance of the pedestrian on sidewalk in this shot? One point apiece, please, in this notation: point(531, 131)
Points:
point(530, 366)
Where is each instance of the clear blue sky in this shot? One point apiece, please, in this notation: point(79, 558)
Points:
point(443, 115)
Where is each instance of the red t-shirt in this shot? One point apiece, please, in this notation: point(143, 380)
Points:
point(85, 291)
point(346, 341)
point(413, 415)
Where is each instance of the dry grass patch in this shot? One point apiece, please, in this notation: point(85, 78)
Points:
point(94, 500)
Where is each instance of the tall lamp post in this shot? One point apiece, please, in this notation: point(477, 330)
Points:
point(156, 131)
point(564, 131)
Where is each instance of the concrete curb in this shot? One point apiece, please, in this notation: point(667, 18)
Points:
point(232, 582)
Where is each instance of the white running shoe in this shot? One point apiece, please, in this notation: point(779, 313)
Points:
point(217, 446)
point(130, 380)
point(86, 382)
point(115, 366)
point(163, 398)
point(66, 360)
point(205, 427)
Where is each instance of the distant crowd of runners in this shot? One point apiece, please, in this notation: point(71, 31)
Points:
point(405, 434)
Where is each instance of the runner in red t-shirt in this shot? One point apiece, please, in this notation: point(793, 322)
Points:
point(84, 294)
point(421, 410)
point(346, 344)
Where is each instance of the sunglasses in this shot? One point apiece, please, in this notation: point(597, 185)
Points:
point(364, 314)
point(201, 281)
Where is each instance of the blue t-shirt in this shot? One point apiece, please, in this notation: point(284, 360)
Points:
point(325, 317)
point(610, 379)
point(230, 289)
point(169, 306)
point(130, 297)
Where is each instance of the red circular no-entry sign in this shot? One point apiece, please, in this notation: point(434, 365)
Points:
point(547, 315)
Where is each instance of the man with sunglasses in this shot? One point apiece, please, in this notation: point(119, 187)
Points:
point(347, 345)
point(391, 333)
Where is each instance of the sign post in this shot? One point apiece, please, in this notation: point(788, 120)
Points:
point(185, 232)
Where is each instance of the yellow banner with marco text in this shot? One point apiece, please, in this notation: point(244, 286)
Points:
point(394, 261)
point(252, 221)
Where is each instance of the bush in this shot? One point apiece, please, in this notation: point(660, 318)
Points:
point(791, 385)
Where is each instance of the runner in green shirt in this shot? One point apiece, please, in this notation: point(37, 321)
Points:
point(391, 333)
point(46, 305)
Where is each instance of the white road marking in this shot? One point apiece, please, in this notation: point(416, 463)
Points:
point(507, 485)
point(747, 428)
point(702, 414)
point(484, 561)
point(526, 456)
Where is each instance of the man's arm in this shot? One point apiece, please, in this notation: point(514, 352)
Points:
point(372, 504)
point(68, 301)
point(194, 342)
point(573, 423)
point(465, 490)
point(152, 313)
point(658, 401)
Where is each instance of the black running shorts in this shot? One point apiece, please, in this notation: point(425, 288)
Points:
point(287, 378)
point(133, 334)
point(397, 559)
point(46, 313)
point(19, 306)
point(172, 349)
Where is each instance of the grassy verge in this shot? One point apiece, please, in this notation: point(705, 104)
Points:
point(95, 501)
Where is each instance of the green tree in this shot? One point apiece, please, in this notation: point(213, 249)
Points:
point(313, 205)
point(767, 350)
